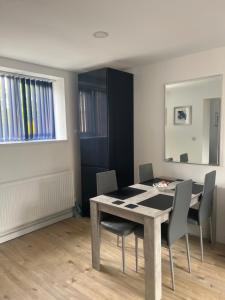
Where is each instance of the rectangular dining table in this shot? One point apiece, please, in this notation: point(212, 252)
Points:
point(131, 209)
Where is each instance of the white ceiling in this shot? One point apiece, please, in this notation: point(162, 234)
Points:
point(58, 33)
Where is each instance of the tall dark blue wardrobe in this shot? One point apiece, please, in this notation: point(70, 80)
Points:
point(106, 128)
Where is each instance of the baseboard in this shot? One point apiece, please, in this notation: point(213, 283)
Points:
point(19, 231)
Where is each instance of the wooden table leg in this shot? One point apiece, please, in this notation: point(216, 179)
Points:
point(95, 235)
point(152, 254)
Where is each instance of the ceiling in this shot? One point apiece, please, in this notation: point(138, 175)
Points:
point(59, 33)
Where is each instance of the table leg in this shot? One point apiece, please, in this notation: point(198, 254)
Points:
point(152, 254)
point(95, 235)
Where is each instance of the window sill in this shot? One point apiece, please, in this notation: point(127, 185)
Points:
point(32, 142)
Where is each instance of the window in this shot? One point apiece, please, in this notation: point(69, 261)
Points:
point(26, 109)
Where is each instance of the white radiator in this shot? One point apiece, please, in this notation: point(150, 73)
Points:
point(33, 203)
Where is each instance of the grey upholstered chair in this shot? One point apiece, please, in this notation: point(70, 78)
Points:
point(145, 172)
point(203, 215)
point(106, 183)
point(184, 157)
point(177, 225)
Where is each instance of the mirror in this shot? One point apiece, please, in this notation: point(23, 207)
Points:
point(192, 121)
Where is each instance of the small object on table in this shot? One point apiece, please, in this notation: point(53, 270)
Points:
point(164, 186)
point(131, 206)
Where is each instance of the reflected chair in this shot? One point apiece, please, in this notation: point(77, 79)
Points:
point(176, 227)
point(184, 158)
point(145, 172)
point(203, 215)
point(169, 159)
point(106, 183)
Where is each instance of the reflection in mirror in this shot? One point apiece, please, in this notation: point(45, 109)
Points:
point(192, 121)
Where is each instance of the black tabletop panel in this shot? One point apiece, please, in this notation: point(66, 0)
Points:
point(160, 201)
point(125, 193)
point(197, 188)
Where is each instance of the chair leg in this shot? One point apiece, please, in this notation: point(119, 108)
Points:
point(201, 242)
point(123, 253)
point(136, 252)
point(188, 253)
point(118, 240)
point(171, 268)
point(211, 230)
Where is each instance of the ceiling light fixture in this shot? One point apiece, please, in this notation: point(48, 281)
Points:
point(100, 34)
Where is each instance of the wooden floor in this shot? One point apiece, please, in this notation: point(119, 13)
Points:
point(55, 263)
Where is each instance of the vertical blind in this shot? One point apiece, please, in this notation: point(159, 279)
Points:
point(93, 112)
point(26, 109)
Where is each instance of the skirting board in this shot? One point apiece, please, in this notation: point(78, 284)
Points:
point(36, 225)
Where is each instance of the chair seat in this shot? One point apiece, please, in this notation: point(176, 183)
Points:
point(193, 216)
point(139, 231)
point(118, 225)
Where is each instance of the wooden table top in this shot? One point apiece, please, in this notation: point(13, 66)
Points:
point(149, 191)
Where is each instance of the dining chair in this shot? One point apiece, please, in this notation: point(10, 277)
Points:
point(106, 183)
point(184, 157)
point(203, 214)
point(145, 172)
point(176, 227)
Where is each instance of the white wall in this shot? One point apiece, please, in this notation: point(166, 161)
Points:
point(149, 118)
point(25, 160)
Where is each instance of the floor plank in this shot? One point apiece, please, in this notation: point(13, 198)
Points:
point(54, 263)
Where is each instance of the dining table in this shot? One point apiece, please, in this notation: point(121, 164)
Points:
point(144, 203)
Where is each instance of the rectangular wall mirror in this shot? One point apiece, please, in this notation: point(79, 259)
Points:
point(192, 121)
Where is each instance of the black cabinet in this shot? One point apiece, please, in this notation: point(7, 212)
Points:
point(106, 128)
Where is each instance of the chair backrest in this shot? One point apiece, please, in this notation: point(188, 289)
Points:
point(184, 157)
point(106, 182)
point(205, 208)
point(178, 218)
point(145, 172)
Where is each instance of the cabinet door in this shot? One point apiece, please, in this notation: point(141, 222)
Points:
point(94, 152)
point(93, 118)
point(120, 101)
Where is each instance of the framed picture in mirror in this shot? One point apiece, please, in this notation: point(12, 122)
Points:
point(182, 115)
